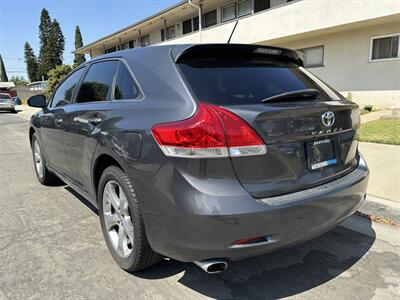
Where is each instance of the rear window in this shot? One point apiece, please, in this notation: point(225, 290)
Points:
point(238, 82)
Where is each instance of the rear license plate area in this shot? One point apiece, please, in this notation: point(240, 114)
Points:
point(321, 154)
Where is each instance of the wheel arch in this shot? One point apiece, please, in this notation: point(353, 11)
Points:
point(102, 162)
point(31, 133)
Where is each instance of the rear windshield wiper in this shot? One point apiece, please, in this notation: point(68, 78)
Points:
point(304, 94)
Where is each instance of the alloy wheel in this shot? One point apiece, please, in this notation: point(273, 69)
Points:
point(117, 218)
point(37, 154)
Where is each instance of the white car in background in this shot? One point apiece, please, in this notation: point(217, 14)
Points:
point(6, 103)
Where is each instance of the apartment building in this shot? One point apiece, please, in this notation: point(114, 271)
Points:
point(354, 45)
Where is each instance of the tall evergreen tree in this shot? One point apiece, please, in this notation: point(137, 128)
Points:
point(31, 63)
point(3, 74)
point(45, 51)
point(56, 44)
point(79, 58)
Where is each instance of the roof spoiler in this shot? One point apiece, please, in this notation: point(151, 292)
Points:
point(181, 52)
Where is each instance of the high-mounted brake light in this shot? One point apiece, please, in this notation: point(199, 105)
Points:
point(211, 132)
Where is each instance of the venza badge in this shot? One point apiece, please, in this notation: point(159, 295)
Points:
point(328, 118)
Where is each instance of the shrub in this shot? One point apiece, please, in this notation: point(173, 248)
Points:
point(56, 75)
point(349, 96)
point(368, 108)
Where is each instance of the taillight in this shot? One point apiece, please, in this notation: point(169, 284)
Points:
point(211, 132)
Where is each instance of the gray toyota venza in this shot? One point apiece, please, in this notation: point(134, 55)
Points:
point(202, 153)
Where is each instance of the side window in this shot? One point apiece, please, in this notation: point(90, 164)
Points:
point(65, 91)
point(125, 87)
point(97, 84)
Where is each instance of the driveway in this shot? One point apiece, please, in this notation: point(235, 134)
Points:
point(51, 247)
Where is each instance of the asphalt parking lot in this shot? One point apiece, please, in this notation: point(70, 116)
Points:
point(51, 247)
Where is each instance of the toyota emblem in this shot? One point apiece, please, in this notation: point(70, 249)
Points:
point(328, 118)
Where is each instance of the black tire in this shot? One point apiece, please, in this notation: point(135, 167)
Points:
point(47, 178)
point(142, 256)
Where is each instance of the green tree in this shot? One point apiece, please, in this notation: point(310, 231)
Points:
point(3, 74)
point(18, 80)
point(79, 58)
point(45, 51)
point(55, 76)
point(56, 44)
point(31, 63)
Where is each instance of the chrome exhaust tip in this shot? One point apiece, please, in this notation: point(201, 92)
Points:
point(212, 266)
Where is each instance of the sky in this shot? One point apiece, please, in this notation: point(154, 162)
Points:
point(19, 22)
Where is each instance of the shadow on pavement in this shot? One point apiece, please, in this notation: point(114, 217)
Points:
point(83, 200)
point(10, 112)
point(278, 274)
point(275, 275)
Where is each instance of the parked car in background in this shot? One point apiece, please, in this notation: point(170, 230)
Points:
point(17, 100)
point(205, 153)
point(6, 103)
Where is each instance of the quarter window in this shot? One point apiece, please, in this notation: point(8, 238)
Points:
point(313, 57)
point(385, 47)
point(97, 83)
point(125, 87)
point(65, 91)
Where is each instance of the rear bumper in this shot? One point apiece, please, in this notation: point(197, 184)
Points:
point(206, 226)
point(7, 107)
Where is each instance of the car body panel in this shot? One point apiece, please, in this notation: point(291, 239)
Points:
point(6, 103)
point(200, 220)
point(194, 209)
point(80, 138)
point(50, 121)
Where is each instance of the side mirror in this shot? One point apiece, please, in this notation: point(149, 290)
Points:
point(37, 101)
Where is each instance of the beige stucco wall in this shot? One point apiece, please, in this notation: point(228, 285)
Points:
point(379, 99)
point(300, 17)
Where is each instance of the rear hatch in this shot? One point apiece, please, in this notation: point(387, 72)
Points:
point(310, 136)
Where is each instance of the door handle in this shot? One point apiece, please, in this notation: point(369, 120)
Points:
point(95, 120)
point(59, 121)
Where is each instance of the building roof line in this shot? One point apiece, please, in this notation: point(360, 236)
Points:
point(155, 15)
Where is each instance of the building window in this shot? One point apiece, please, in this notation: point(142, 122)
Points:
point(229, 12)
point(210, 19)
point(195, 23)
point(385, 47)
point(111, 50)
point(260, 5)
point(131, 44)
point(170, 33)
point(162, 34)
point(187, 26)
point(313, 57)
point(244, 7)
point(145, 40)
